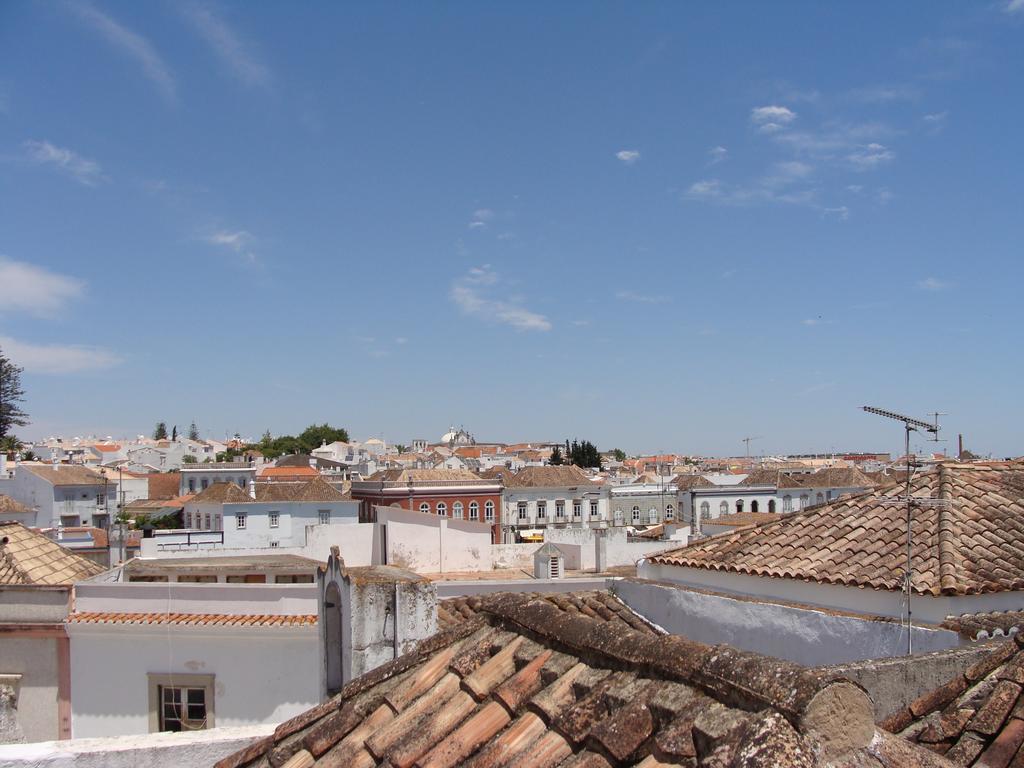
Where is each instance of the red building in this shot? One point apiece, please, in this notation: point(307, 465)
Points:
point(454, 493)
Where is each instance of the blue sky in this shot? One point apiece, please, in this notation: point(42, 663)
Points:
point(659, 227)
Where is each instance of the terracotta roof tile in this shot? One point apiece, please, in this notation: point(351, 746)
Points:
point(10, 506)
point(28, 557)
point(548, 477)
point(192, 619)
point(526, 683)
point(64, 474)
point(972, 545)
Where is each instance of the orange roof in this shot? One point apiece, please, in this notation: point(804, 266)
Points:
point(193, 619)
point(107, 448)
point(288, 472)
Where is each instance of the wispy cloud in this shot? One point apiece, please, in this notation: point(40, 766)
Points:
point(57, 358)
point(481, 293)
point(239, 241)
point(628, 156)
point(717, 155)
point(642, 298)
point(936, 121)
point(784, 182)
point(27, 288)
point(481, 218)
point(841, 213)
point(1015, 6)
point(131, 44)
point(772, 118)
point(81, 169)
point(883, 94)
point(870, 156)
point(932, 284)
point(228, 45)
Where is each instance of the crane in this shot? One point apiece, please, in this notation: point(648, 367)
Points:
point(747, 441)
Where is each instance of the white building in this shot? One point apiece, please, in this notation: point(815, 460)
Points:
point(198, 477)
point(63, 494)
point(538, 497)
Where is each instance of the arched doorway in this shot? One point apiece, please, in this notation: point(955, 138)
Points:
point(332, 637)
point(771, 506)
point(753, 506)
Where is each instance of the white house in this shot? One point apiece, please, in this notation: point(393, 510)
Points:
point(199, 477)
point(538, 497)
point(63, 494)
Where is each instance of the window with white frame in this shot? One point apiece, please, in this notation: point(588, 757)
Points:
point(425, 508)
point(239, 521)
point(542, 510)
point(804, 500)
point(636, 514)
point(275, 519)
point(457, 510)
point(442, 509)
point(670, 513)
point(100, 499)
point(652, 515)
point(820, 498)
point(489, 511)
point(739, 505)
point(787, 503)
point(560, 509)
point(474, 510)
point(324, 516)
point(705, 510)
point(723, 508)
point(216, 522)
point(577, 508)
point(275, 543)
point(523, 510)
point(593, 509)
point(618, 517)
point(181, 702)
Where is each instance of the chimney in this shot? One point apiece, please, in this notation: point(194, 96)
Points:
point(960, 445)
point(252, 489)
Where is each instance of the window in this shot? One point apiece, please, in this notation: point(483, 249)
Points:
point(723, 508)
point(542, 509)
point(593, 509)
point(275, 519)
point(560, 509)
point(324, 516)
point(523, 511)
point(208, 526)
point(425, 508)
point(205, 483)
point(739, 505)
point(191, 485)
point(804, 500)
point(618, 517)
point(670, 513)
point(636, 514)
point(294, 578)
point(275, 544)
point(180, 702)
point(577, 509)
point(216, 522)
point(489, 511)
point(705, 510)
point(819, 499)
point(771, 506)
point(239, 521)
point(753, 506)
point(197, 578)
point(474, 510)
point(442, 509)
point(457, 510)
point(787, 503)
point(101, 499)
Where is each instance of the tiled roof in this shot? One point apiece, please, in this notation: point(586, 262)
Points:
point(494, 473)
point(972, 545)
point(288, 471)
point(63, 474)
point(10, 506)
point(548, 477)
point(27, 557)
point(193, 619)
point(302, 489)
point(982, 626)
point(526, 684)
point(163, 485)
point(686, 482)
point(421, 475)
point(221, 493)
point(771, 477)
point(837, 477)
point(743, 518)
point(975, 719)
point(597, 604)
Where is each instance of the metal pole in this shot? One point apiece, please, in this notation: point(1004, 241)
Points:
point(910, 620)
point(120, 507)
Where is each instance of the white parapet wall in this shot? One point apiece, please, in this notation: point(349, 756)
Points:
point(155, 750)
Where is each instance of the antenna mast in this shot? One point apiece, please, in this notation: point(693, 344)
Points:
point(910, 424)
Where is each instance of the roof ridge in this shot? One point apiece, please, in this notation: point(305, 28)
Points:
point(949, 535)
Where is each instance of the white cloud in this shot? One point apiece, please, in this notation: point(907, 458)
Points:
point(870, 157)
point(785, 182)
point(812, 321)
point(772, 119)
point(130, 43)
point(936, 121)
point(628, 156)
point(481, 218)
point(883, 94)
point(83, 170)
point(933, 284)
point(57, 358)
point(474, 294)
point(239, 241)
point(842, 213)
point(227, 44)
point(717, 155)
point(401, 340)
point(705, 189)
point(1015, 6)
point(641, 298)
point(27, 288)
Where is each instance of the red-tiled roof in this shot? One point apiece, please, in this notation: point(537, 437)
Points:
point(64, 474)
point(164, 485)
point(288, 472)
point(192, 619)
point(548, 477)
point(107, 448)
point(529, 685)
point(27, 557)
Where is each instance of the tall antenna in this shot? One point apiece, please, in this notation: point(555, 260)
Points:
point(910, 424)
point(747, 441)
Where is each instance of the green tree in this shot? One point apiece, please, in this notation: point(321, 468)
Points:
point(556, 459)
point(160, 433)
point(620, 455)
point(11, 396)
point(174, 433)
point(189, 459)
point(401, 448)
point(315, 435)
point(193, 431)
point(584, 454)
point(266, 440)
